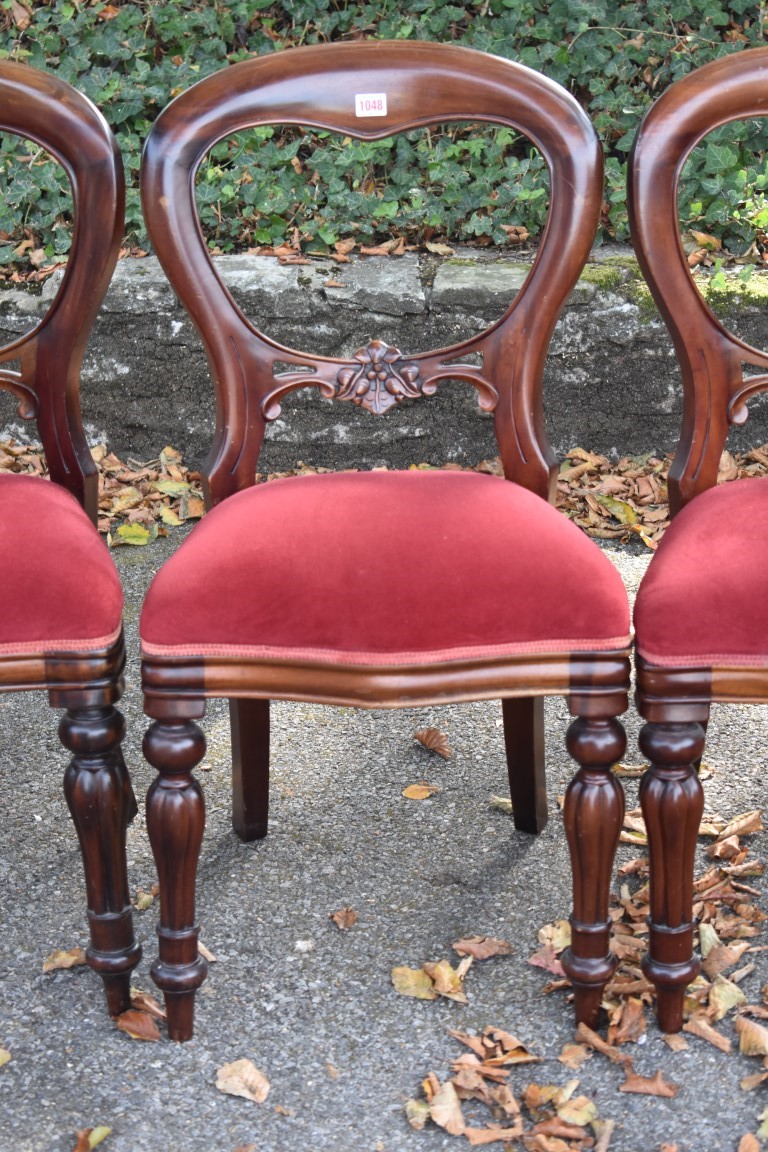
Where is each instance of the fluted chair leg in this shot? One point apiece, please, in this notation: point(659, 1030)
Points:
point(524, 743)
point(672, 800)
point(249, 721)
point(100, 798)
point(175, 821)
point(593, 814)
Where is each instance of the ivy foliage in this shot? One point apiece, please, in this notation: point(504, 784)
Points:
point(461, 183)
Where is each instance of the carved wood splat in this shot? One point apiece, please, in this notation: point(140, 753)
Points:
point(382, 379)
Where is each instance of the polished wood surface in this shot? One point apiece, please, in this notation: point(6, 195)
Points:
point(87, 684)
point(424, 84)
point(676, 701)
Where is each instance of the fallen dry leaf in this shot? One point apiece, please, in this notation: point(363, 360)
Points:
point(243, 1078)
point(434, 740)
point(574, 1055)
point(5, 1056)
point(413, 982)
point(138, 1025)
point(344, 918)
point(143, 1002)
point(482, 947)
point(753, 1037)
point(749, 1143)
point(60, 960)
point(88, 1138)
point(420, 791)
point(445, 1110)
point(449, 981)
point(699, 1026)
point(648, 1085)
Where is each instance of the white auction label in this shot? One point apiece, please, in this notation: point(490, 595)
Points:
point(371, 104)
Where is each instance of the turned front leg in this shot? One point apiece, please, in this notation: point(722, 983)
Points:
point(175, 821)
point(100, 798)
point(672, 800)
point(593, 814)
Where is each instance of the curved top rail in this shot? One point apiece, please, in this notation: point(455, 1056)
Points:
point(412, 84)
point(711, 358)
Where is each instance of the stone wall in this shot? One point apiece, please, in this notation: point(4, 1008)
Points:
point(611, 384)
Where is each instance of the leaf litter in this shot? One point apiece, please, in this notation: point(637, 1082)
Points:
point(477, 1102)
point(609, 499)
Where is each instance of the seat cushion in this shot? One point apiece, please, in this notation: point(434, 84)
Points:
point(703, 599)
point(385, 568)
point(58, 585)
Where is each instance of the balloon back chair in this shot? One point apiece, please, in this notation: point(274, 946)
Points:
point(60, 628)
point(379, 589)
point(701, 616)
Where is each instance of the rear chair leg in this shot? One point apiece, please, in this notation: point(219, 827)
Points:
point(593, 814)
point(673, 801)
point(175, 821)
point(524, 743)
point(100, 798)
point(249, 720)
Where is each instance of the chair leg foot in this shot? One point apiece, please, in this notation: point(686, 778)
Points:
point(593, 814)
point(672, 800)
point(524, 742)
point(249, 720)
point(100, 798)
point(175, 821)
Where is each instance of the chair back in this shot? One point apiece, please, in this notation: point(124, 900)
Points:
point(48, 111)
point(715, 386)
point(370, 90)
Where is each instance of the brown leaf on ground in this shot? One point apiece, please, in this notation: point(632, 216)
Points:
point(628, 1025)
point(344, 919)
point(480, 1136)
point(749, 1143)
point(413, 982)
point(434, 740)
point(586, 1035)
point(143, 1002)
point(445, 1110)
point(482, 947)
point(447, 980)
point(574, 1055)
point(753, 1037)
point(89, 1138)
point(243, 1078)
point(419, 791)
point(138, 1025)
point(60, 960)
point(675, 1042)
point(743, 825)
point(698, 1025)
point(648, 1085)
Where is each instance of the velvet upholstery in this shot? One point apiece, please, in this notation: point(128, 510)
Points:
point(62, 592)
point(385, 567)
point(703, 599)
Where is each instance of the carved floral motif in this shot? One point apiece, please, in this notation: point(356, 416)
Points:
point(381, 380)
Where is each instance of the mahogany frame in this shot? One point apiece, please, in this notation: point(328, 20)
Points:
point(424, 84)
point(675, 702)
point(87, 684)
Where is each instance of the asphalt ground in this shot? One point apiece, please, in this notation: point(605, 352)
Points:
point(313, 1007)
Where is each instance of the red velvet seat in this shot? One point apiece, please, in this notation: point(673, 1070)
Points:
point(701, 617)
point(384, 589)
point(294, 545)
point(711, 567)
point(44, 605)
point(60, 626)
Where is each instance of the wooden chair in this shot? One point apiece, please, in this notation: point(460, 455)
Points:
point(384, 589)
point(60, 628)
point(701, 616)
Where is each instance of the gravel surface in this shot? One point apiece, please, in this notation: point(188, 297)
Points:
point(313, 1007)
